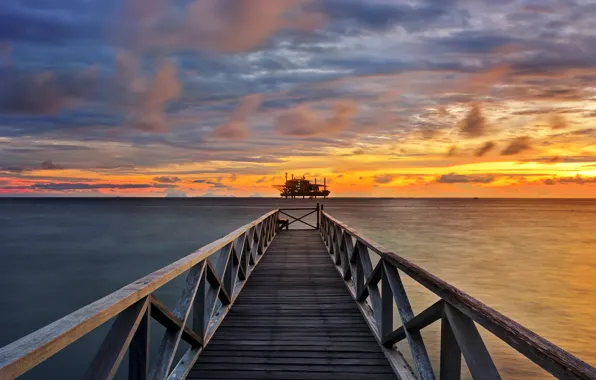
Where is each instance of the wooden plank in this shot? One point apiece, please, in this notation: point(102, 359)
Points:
point(420, 321)
point(27, 352)
point(286, 322)
point(138, 356)
point(419, 353)
point(105, 363)
point(450, 353)
point(553, 359)
point(470, 342)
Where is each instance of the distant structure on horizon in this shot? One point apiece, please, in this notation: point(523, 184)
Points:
point(301, 187)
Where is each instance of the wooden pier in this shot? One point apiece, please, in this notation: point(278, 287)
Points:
point(261, 303)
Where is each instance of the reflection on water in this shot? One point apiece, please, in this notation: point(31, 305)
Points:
point(532, 260)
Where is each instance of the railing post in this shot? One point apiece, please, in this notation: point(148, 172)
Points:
point(450, 352)
point(318, 215)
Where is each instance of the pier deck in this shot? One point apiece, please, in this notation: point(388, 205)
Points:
point(294, 319)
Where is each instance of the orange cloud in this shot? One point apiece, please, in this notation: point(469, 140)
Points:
point(517, 146)
point(302, 121)
point(485, 148)
point(220, 25)
point(236, 129)
point(149, 115)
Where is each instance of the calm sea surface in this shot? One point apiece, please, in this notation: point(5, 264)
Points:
point(532, 260)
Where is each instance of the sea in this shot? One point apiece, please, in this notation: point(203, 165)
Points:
point(533, 260)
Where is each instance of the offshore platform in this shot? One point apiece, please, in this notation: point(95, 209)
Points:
point(301, 187)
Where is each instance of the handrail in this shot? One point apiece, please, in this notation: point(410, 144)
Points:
point(295, 219)
point(457, 310)
point(215, 271)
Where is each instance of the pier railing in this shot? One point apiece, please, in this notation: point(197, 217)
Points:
point(457, 311)
point(215, 275)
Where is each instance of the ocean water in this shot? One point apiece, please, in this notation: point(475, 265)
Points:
point(532, 260)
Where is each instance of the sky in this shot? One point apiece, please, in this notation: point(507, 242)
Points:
point(383, 98)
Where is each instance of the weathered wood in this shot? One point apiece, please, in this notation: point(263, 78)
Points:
point(395, 358)
point(300, 219)
point(185, 364)
point(112, 350)
point(387, 307)
point(171, 339)
point(138, 351)
point(167, 319)
point(216, 283)
point(450, 353)
point(470, 342)
point(420, 321)
point(27, 352)
point(372, 279)
point(294, 305)
point(551, 358)
point(419, 354)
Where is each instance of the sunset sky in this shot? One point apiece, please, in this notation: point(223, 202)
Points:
point(384, 98)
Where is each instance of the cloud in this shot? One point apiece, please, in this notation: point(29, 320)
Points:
point(228, 26)
point(236, 129)
point(578, 180)
point(474, 124)
point(462, 178)
point(517, 146)
point(213, 184)
point(175, 193)
point(166, 179)
point(5, 53)
point(70, 186)
point(37, 93)
point(485, 148)
point(149, 116)
point(383, 179)
point(557, 121)
point(49, 165)
point(380, 16)
point(233, 177)
point(302, 121)
point(452, 151)
point(46, 165)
